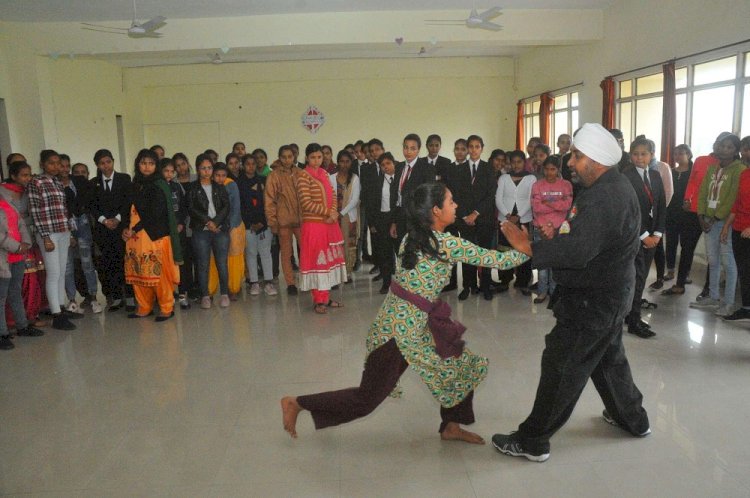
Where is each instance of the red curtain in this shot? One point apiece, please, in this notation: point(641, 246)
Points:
point(519, 127)
point(669, 115)
point(608, 102)
point(545, 113)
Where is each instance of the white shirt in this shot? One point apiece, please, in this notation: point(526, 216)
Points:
point(641, 173)
point(385, 199)
point(351, 208)
point(111, 179)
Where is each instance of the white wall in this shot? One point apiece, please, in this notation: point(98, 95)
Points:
point(202, 106)
point(636, 33)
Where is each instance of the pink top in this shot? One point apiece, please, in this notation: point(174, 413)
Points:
point(550, 202)
point(11, 215)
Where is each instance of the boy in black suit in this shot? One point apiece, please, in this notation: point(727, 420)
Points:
point(370, 181)
point(110, 210)
point(381, 206)
point(473, 186)
point(410, 174)
point(441, 164)
point(652, 201)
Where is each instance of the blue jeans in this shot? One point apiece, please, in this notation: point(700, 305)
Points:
point(546, 284)
point(716, 251)
point(205, 241)
point(10, 290)
point(82, 251)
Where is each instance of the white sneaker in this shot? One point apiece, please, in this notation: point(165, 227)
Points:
point(270, 289)
point(255, 289)
point(206, 302)
point(706, 304)
point(74, 308)
point(724, 310)
point(96, 307)
point(224, 301)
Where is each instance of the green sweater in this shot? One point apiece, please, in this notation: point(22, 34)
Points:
point(724, 194)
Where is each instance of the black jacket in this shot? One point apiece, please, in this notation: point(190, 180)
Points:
point(252, 205)
point(374, 214)
point(179, 202)
point(152, 207)
point(477, 196)
point(78, 196)
point(369, 180)
point(442, 165)
point(594, 261)
point(110, 204)
point(422, 172)
point(198, 206)
point(656, 206)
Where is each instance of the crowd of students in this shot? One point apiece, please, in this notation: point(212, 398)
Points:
point(173, 235)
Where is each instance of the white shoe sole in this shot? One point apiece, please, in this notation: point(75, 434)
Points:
point(534, 458)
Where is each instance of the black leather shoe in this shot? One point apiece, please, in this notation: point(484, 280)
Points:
point(61, 322)
point(487, 295)
point(374, 270)
point(449, 288)
point(640, 331)
point(162, 318)
point(475, 290)
point(377, 277)
point(464, 295)
point(29, 331)
point(384, 289)
point(292, 290)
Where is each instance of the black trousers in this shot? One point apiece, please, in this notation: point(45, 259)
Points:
point(187, 276)
point(480, 235)
point(523, 273)
point(383, 368)
point(384, 247)
point(642, 266)
point(741, 250)
point(573, 354)
point(111, 267)
point(688, 232)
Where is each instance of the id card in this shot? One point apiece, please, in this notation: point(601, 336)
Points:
point(713, 204)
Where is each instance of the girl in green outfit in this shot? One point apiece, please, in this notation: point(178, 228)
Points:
point(400, 337)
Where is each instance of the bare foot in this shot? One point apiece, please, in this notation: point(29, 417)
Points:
point(454, 432)
point(289, 411)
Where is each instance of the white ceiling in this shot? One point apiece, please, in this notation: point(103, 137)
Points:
point(117, 10)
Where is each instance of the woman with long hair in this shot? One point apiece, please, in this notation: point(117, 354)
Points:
point(50, 215)
point(152, 244)
point(347, 187)
point(321, 261)
point(413, 327)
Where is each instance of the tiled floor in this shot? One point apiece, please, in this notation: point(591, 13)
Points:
point(190, 408)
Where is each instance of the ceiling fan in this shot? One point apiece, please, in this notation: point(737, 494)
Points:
point(136, 30)
point(475, 20)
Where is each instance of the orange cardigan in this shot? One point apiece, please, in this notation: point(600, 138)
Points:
point(312, 199)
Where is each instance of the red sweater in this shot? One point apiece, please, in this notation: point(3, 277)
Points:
point(741, 207)
point(700, 167)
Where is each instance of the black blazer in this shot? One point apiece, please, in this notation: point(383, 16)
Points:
point(374, 214)
point(478, 196)
point(116, 201)
point(152, 207)
point(369, 180)
point(422, 172)
point(442, 164)
point(649, 224)
point(79, 200)
point(198, 206)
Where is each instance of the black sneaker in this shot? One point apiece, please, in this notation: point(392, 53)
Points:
point(29, 331)
point(61, 322)
point(6, 343)
point(511, 445)
point(70, 315)
point(611, 421)
point(292, 290)
point(741, 315)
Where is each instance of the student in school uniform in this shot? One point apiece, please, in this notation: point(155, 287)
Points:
point(460, 152)
point(381, 204)
point(650, 192)
point(440, 163)
point(369, 179)
point(473, 187)
point(410, 174)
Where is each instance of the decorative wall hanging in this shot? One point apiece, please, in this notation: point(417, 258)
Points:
point(313, 119)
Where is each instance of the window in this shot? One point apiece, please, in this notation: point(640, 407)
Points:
point(564, 117)
point(711, 96)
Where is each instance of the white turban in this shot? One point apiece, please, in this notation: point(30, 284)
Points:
point(597, 143)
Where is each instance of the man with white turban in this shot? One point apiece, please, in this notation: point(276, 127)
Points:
point(592, 255)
